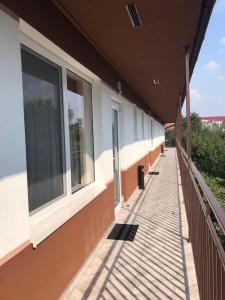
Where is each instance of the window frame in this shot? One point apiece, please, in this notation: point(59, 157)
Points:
point(50, 217)
point(62, 125)
point(76, 189)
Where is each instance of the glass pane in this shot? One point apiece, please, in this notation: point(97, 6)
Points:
point(81, 132)
point(115, 146)
point(43, 129)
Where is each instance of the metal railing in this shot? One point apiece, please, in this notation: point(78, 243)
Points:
point(206, 220)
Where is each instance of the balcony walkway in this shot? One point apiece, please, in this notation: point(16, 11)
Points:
point(158, 264)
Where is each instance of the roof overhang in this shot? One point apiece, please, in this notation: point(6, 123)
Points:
point(148, 60)
point(153, 52)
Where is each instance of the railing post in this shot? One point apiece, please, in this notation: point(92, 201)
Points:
point(180, 120)
point(188, 114)
point(188, 125)
point(177, 128)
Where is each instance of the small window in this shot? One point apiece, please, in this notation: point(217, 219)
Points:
point(149, 129)
point(152, 132)
point(135, 123)
point(81, 131)
point(43, 128)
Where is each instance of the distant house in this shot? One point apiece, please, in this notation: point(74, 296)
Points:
point(212, 121)
point(169, 126)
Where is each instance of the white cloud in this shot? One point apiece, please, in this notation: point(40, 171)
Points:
point(195, 95)
point(221, 77)
point(212, 65)
point(222, 41)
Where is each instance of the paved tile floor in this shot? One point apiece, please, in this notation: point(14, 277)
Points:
point(158, 264)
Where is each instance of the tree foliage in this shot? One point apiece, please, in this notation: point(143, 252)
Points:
point(170, 137)
point(208, 147)
point(208, 153)
point(223, 126)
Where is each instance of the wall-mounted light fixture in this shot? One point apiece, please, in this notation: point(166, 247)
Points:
point(119, 87)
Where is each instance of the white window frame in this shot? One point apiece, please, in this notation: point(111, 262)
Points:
point(116, 104)
point(50, 217)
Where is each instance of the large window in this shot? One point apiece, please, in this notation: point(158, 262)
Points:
point(80, 129)
point(43, 129)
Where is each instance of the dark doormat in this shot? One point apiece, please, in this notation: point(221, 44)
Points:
point(153, 173)
point(123, 232)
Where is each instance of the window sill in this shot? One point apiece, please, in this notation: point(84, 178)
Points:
point(42, 227)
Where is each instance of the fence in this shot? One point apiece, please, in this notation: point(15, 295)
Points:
point(206, 220)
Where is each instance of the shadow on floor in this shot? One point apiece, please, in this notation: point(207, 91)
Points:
point(153, 265)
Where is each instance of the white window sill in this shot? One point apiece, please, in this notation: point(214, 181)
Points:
point(42, 226)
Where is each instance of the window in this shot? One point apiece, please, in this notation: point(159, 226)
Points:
point(152, 131)
point(135, 123)
point(81, 131)
point(143, 124)
point(149, 129)
point(43, 128)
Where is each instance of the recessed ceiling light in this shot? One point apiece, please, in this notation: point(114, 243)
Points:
point(156, 81)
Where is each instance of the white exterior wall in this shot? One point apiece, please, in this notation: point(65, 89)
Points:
point(132, 150)
point(16, 225)
point(158, 134)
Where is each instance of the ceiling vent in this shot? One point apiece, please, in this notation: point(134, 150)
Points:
point(133, 14)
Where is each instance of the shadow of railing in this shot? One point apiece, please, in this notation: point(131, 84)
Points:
point(153, 265)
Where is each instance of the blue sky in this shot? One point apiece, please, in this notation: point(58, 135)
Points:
point(208, 79)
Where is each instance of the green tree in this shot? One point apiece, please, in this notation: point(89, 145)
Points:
point(170, 137)
point(222, 125)
point(196, 124)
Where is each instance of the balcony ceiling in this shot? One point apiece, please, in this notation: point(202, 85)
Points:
point(142, 54)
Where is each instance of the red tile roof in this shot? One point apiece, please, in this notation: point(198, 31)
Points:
point(169, 125)
point(217, 119)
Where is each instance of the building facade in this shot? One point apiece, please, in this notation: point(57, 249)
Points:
point(211, 122)
point(70, 148)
